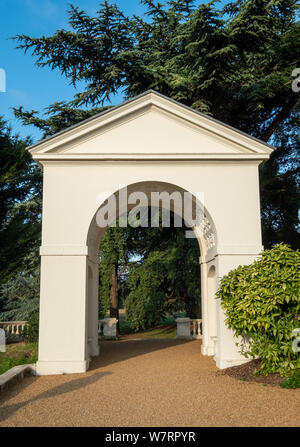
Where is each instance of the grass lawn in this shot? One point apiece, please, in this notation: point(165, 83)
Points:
point(166, 329)
point(18, 354)
point(160, 331)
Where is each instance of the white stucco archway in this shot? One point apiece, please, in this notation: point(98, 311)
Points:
point(148, 143)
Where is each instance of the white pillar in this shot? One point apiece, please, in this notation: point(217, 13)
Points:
point(205, 348)
point(227, 353)
point(62, 334)
point(92, 309)
point(208, 304)
point(2, 340)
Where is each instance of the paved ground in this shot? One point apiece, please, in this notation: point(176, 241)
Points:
point(148, 383)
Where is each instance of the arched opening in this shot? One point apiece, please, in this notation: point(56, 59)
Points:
point(139, 144)
point(203, 232)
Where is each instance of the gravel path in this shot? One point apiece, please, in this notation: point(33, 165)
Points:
point(148, 383)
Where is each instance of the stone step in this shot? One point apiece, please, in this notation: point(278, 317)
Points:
point(15, 374)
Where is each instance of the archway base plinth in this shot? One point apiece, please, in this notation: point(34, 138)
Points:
point(44, 368)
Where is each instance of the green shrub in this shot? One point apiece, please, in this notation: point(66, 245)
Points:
point(292, 382)
point(125, 328)
point(31, 331)
point(262, 304)
point(145, 304)
point(144, 308)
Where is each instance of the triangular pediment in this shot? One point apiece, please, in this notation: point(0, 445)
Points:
point(150, 126)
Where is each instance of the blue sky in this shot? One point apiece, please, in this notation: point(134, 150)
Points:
point(27, 85)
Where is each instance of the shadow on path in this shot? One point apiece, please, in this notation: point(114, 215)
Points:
point(67, 387)
point(119, 351)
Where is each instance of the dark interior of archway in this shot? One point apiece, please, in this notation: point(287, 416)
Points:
point(153, 271)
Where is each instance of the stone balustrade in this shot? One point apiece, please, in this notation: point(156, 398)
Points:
point(188, 329)
point(108, 327)
point(13, 327)
point(196, 328)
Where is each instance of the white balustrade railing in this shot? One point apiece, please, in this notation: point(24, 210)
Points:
point(196, 328)
point(100, 326)
point(108, 327)
point(188, 328)
point(13, 327)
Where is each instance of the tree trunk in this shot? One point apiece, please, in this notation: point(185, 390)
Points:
point(191, 307)
point(114, 299)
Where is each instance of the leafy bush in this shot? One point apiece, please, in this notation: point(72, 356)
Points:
point(31, 331)
point(262, 304)
point(145, 304)
point(143, 309)
point(166, 282)
point(292, 382)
